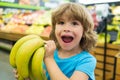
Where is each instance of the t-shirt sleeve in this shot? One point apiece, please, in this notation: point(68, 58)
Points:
point(87, 66)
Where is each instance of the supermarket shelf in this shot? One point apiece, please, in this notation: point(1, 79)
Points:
point(15, 5)
point(5, 46)
point(118, 55)
point(109, 45)
point(15, 36)
point(10, 36)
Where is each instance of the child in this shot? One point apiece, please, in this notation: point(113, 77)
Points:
point(67, 54)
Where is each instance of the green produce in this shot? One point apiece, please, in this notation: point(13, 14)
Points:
point(101, 38)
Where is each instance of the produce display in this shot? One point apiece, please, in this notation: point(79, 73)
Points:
point(26, 57)
point(101, 38)
point(113, 28)
point(26, 22)
point(39, 22)
point(27, 53)
point(46, 33)
point(116, 10)
point(117, 40)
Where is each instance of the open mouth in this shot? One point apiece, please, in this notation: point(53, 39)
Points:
point(67, 39)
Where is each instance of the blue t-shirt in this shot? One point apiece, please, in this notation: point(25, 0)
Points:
point(83, 62)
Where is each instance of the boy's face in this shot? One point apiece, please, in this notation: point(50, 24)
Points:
point(68, 33)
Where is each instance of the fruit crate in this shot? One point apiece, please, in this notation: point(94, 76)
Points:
point(117, 73)
point(10, 36)
point(111, 51)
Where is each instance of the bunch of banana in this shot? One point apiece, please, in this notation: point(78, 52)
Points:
point(37, 60)
point(26, 57)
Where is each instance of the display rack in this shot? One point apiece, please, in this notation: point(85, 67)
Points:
point(10, 36)
point(15, 5)
point(15, 36)
point(105, 19)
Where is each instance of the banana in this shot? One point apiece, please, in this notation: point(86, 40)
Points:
point(37, 64)
point(20, 78)
point(24, 54)
point(31, 76)
point(16, 46)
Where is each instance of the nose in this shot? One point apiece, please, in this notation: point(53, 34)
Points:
point(67, 28)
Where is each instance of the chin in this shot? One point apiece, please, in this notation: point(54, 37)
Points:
point(68, 48)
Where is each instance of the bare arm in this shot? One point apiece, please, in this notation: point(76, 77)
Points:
point(53, 69)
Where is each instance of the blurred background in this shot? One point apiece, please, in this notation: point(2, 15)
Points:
point(22, 17)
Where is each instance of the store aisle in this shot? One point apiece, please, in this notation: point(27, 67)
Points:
point(5, 68)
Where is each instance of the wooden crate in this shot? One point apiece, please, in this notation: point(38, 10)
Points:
point(117, 77)
point(111, 52)
point(118, 67)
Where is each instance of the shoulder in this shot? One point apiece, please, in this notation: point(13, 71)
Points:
point(86, 56)
point(86, 60)
point(87, 64)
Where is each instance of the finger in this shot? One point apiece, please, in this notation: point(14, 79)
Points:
point(16, 76)
point(27, 78)
point(15, 71)
point(44, 41)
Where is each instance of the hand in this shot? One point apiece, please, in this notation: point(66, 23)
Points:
point(50, 48)
point(17, 75)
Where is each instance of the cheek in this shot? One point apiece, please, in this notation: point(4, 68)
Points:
point(81, 30)
point(57, 32)
point(79, 33)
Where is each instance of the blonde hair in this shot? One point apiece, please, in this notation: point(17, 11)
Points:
point(80, 13)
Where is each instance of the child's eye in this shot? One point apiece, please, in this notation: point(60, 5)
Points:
point(74, 23)
point(61, 22)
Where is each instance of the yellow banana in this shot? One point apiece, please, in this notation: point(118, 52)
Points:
point(31, 76)
point(37, 64)
point(16, 47)
point(24, 54)
point(20, 78)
